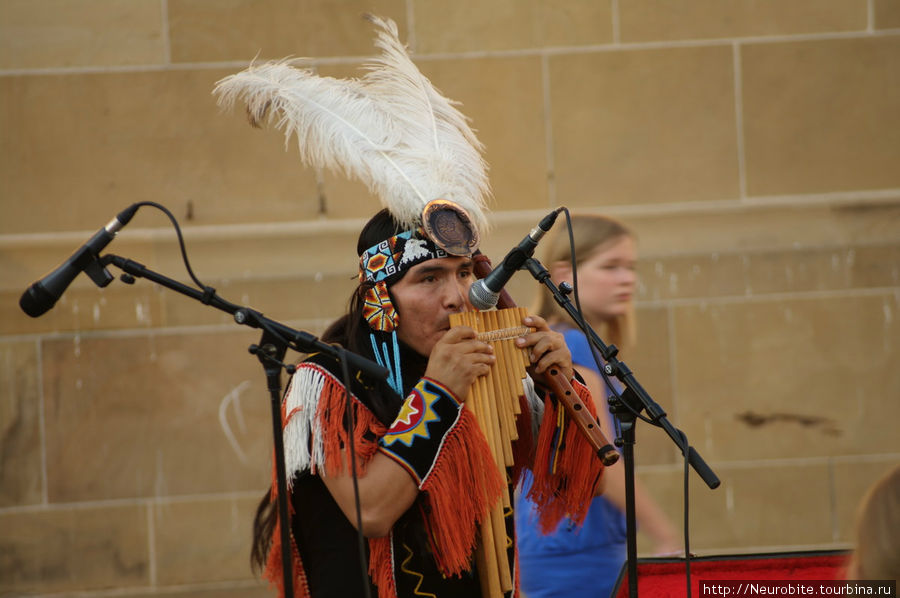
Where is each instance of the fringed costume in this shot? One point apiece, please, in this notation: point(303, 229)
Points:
point(429, 551)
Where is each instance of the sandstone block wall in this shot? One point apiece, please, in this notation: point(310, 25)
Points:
point(753, 145)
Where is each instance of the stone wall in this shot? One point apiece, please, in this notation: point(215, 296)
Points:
point(753, 145)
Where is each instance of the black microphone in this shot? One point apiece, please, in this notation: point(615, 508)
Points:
point(484, 293)
point(44, 294)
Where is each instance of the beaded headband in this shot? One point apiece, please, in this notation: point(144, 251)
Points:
point(380, 262)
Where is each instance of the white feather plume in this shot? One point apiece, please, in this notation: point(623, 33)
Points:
point(390, 128)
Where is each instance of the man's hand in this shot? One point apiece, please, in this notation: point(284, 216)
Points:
point(547, 348)
point(458, 358)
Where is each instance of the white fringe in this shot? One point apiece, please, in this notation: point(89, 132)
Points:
point(303, 429)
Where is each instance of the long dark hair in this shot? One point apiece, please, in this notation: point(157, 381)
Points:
point(353, 333)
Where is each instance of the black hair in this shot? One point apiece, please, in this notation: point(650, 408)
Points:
point(380, 227)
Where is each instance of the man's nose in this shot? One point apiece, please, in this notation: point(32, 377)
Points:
point(456, 295)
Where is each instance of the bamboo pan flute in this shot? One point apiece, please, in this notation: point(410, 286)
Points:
point(494, 400)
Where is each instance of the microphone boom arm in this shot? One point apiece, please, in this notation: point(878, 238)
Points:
point(298, 340)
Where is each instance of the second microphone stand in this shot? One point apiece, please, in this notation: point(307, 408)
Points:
point(626, 409)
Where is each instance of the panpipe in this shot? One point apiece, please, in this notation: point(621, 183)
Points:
point(494, 400)
point(559, 386)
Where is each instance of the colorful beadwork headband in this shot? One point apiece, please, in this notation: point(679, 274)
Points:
point(380, 262)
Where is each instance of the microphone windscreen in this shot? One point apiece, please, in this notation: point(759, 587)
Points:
point(482, 297)
point(36, 301)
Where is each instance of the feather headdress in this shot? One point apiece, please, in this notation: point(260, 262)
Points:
point(390, 128)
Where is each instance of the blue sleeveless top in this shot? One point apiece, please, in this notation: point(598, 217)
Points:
point(571, 561)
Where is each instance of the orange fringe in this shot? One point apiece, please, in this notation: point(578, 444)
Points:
point(330, 411)
point(274, 571)
point(381, 566)
point(462, 486)
point(458, 492)
point(566, 468)
point(330, 414)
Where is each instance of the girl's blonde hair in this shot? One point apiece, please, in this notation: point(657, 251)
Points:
point(877, 550)
point(591, 232)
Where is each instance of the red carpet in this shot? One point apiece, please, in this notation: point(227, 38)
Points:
point(664, 578)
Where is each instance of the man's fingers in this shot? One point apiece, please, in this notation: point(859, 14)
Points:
point(459, 333)
point(536, 322)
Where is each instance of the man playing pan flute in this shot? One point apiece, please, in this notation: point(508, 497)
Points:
point(416, 457)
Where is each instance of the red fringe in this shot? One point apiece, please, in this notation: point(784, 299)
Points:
point(462, 486)
point(381, 566)
point(566, 469)
point(518, 584)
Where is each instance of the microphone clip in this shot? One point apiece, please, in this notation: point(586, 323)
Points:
point(96, 269)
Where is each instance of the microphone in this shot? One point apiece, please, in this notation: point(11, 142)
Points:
point(44, 294)
point(485, 293)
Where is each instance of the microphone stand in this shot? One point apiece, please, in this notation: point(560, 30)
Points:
point(633, 400)
point(276, 339)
